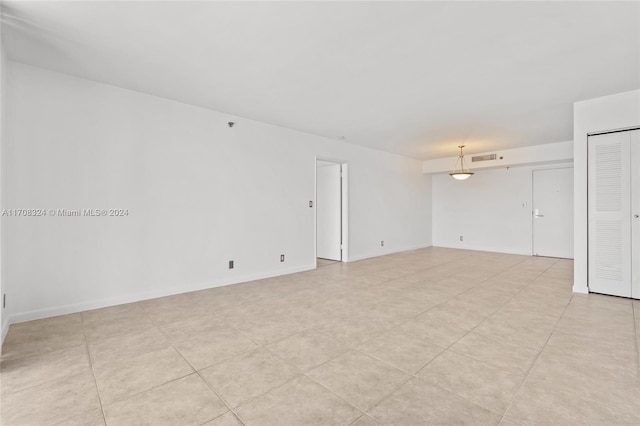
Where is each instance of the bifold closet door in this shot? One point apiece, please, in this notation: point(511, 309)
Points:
point(609, 199)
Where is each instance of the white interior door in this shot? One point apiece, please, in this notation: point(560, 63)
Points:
point(328, 211)
point(609, 183)
point(553, 212)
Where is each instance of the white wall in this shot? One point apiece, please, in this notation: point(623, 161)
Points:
point(486, 209)
point(595, 115)
point(198, 193)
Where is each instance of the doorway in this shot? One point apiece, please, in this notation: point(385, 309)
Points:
point(330, 211)
point(553, 212)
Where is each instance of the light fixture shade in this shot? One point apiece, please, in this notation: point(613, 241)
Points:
point(462, 173)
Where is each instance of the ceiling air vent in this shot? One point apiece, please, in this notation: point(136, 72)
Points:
point(483, 157)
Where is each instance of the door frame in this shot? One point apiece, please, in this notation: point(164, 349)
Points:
point(344, 206)
point(532, 203)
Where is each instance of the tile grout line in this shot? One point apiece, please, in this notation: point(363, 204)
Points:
point(196, 371)
point(448, 347)
point(536, 360)
point(478, 325)
point(93, 372)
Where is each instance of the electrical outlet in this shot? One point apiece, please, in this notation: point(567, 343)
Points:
point(382, 243)
point(282, 258)
point(524, 204)
point(231, 264)
point(461, 238)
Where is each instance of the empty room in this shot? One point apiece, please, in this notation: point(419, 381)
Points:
point(297, 213)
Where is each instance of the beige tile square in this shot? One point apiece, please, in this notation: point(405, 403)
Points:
point(299, 402)
point(487, 386)
point(506, 422)
point(420, 403)
point(204, 341)
point(354, 330)
point(505, 355)
point(540, 402)
point(50, 402)
point(227, 419)
point(358, 378)
point(130, 345)
point(19, 373)
point(270, 329)
point(434, 330)
point(215, 299)
point(532, 333)
point(186, 401)
point(248, 375)
point(405, 352)
point(458, 312)
point(120, 379)
point(618, 390)
point(307, 349)
point(114, 320)
point(44, 335)
point(89, 418)
point(168, 309)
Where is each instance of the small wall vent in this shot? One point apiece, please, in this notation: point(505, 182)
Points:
point(483, 157)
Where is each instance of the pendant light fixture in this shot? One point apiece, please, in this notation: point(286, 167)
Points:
point(462, 173)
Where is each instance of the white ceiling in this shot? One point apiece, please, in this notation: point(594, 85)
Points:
point(415, 78)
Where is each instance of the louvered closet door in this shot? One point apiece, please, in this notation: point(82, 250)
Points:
point(635, 214)
point(609, 183)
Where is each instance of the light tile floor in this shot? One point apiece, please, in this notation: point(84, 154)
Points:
point(433, 336)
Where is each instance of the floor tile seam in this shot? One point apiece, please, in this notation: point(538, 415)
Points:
point(113, 364)
point(27, 354)
point(491, 410)
point(223, 414)
point(431, 308)
point(141, 392)
point(288, 361)
point(95, 382)
point(89, 369)
point(509, 371)
point(255, 397)
point(97, 339)
point(535, 361)
point(362, 411)
point(236, 330)
point(33, 355)
point(173, 345)
point(562, 332)
point(368, 416)
point(478, 325)
point(219, 396)
point(435, 385)
point(387, 363)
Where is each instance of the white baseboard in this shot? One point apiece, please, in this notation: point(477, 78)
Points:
point(483, 248)
point(385, 252)
point(580, 288)
point(137, 297)
point(5, 329)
